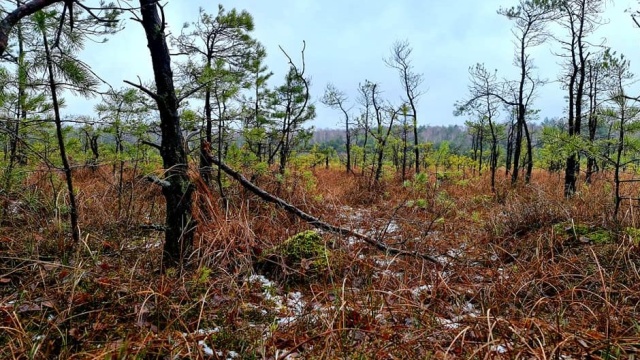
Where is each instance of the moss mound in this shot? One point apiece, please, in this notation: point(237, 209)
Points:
point(302, 256)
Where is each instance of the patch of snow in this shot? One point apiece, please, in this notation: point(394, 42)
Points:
point(207, 331)
point(455, 253)
point(291, 304)
point(389, 273)
point(384, 262)
point(448, 324)
point(295, 302)
point(351, 240)
point(500, 349)
point(416, 292)
point(287, 320)
point(470, 309)
point(260, 279)
point(443, 260)
point(14, 207)
point(392, 226)
point(206, 349)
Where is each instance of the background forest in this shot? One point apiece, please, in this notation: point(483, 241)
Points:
point(198, 214)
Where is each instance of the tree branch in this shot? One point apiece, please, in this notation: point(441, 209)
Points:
point(314, 221)
point(12, 18)
point(139, 86)
point(156, 180)
point(192, 91)
point(149, 143)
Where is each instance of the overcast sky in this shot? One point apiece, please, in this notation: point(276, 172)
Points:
point(347, 40)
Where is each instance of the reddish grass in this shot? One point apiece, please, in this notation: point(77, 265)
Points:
point(511, 286)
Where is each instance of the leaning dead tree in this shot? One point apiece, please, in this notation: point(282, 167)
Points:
point(314, 221)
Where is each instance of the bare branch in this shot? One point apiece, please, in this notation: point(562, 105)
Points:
point(149, 143)
point(139, 86)
point(156, 180)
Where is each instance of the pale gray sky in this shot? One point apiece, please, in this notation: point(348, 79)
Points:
point(347, 40)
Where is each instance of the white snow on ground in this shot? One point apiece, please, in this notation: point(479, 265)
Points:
point(290, 304)
point(384, 262)
point(392, 227)
point(500, 349)
point(203, 345)
point(416, 292)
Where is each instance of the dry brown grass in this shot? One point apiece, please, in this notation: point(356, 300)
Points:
point(510, 285)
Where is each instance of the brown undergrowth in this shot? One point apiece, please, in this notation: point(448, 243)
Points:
point(523, 273)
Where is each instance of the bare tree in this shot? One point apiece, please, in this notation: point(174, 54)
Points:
point(385, 116)
point(336, 99)
point(364, 120)
point(485, 106)
point(411, 81)
point(595, 87)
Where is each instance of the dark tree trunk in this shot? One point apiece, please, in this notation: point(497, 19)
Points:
point(522, 111)
point(494, 158)
point(529, 168)
point(517, 144)
point(509, 154)
point(177, 188)
point(576, 83)
point(404, 151)
point(416, 148)
point(348, 141)
point(66, 167)
point(364, 146)
point(480, 148)
point(221, 143)
point(616, 174)
point(593, 118)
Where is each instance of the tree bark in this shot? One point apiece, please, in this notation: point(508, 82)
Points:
point(178, 188)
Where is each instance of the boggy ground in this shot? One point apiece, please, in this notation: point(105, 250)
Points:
point(522, 273)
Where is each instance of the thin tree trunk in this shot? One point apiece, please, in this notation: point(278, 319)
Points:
point(73, 209)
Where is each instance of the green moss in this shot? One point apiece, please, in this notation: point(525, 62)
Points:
point(300, 257)
point(203, 274)
point(634, 235)
point(585, 232)
point(302, 247)
point(601, 236)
